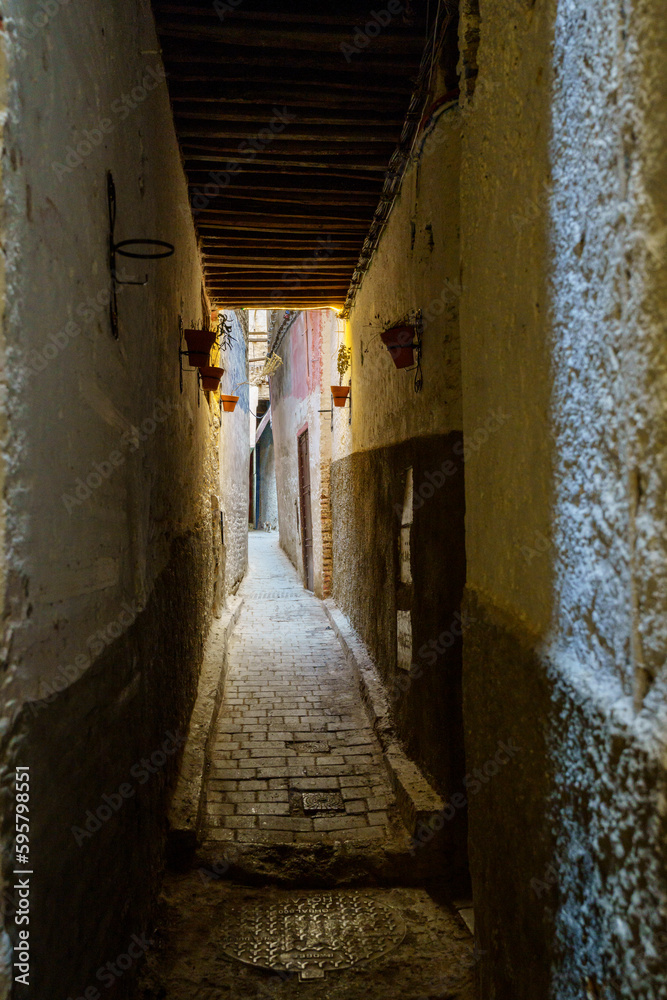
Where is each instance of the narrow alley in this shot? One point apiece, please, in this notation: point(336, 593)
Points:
point(294, 756)
point(333, 535)
point(297, 794)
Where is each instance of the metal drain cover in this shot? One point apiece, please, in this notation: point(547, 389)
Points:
point(311, 933)
point(323, 801)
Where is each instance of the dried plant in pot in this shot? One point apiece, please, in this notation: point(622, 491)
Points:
point(341, 392)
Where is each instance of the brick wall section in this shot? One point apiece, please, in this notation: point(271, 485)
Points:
point(327, 543)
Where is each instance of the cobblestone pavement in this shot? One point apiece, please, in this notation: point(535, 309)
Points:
point(294, 758)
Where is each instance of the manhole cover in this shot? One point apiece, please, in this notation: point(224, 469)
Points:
point(311, 933)
point(329, 801)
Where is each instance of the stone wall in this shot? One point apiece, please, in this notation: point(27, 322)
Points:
point(563, 263)
point(111, 549)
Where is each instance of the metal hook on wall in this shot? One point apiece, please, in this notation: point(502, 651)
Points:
point(167, 249)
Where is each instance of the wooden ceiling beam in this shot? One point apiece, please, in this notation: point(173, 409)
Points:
point(221, 111)
point(293, 132)
point(314, 82)
point(305, 245)
point(290, 218)
point(301, 12)
point(199, 93)
point(303, 154)
point(280, 57)
point(219, 161)
point(207, 183)
point(284, 257)
point(287, 197)
point(324, 38)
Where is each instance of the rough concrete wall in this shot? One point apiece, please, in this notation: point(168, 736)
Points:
point(562, 329)
point(299, 390)
point(369, 489)
point(235, 457)
point(394, 429)
point(268, 494)
point(416, 266)
point(111, 548)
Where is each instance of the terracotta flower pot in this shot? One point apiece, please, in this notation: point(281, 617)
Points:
point(340, 394)
point(399, 342)
point(229, 403)
point(199, 344)
point(210, 378)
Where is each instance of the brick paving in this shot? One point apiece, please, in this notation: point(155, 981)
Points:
point(294, 758)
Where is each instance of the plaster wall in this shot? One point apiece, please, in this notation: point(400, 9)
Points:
point(235, 457)
point(268, 494)
point(395, 430)
point(416, 266)
point(111, 549)
point(562, 314)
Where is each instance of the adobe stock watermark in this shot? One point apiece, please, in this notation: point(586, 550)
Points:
point(471, 444)
point(131, 441)
point(293, 277)
point(213, 871)
point(430, 653)
point(438, 306)
point(201, 197)
point(121, 108)
point(452, 980)
point(546, 883)
point(29, 30)
point(362, 37)
point(225, 7)
point(539, 547)
point(473, 783)
point(95, 644)
point(109, 974)
point(112, 803)
point(88, 309)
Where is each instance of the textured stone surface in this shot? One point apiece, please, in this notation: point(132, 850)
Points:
point(563, 262)
point(367, 502)
point(186, 805)
point(98, 855)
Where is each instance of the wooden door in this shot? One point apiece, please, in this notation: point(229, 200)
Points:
point(306, 510)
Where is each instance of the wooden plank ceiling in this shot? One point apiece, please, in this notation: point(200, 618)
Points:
point(282, 214)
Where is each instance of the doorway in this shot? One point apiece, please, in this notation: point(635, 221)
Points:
point(306, 510)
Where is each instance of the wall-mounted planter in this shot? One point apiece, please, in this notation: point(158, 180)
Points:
point(229, 403)
point(340, 394)
point(210, 378)
point(400, 342)
point(199, 344)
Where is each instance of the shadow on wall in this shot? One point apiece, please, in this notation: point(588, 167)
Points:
point(98, 803)
point(409, 622)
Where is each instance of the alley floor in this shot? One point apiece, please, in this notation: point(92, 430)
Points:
point(294, 757)
point(301, 886)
